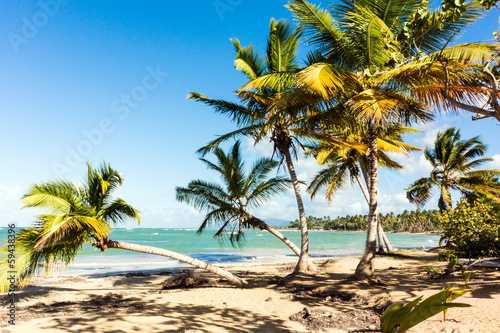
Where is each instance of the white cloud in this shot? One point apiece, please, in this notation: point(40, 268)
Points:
point(356, 208)
point(10, 206)
point(401, 198)
point(495, 164)
point(394, 203)
point(347, 201)
point(414, 164)
point(430, 135)
point(442, 123)
point(279, 209)
point(178, 216)
point(307, 168)
point(263, 148)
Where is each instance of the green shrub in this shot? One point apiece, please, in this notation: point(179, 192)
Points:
point(472, 230)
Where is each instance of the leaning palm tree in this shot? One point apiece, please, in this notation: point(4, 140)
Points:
point(227, 205)
point(79, 214)
point(257, 115)
point(377, 45)
point(455, 164)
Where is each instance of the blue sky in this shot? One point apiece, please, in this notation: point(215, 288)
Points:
point(92, 81)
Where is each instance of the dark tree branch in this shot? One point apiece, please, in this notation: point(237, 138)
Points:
point(494, 84)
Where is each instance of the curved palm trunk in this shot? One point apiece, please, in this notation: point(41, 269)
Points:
point(302, 264)
point(388, 244)
point(379, 236)
point(292, 246)
point(177, 256)
point(365, 268)
point(380, 230)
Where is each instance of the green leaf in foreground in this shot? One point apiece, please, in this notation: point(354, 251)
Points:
point(400, 318)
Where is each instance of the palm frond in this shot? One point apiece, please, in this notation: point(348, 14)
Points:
point(420, 191)
point(58, 227)
point(238, 113)
point(430, 32)
point(276, 81)
point(248, 60)
point(118, 211)
point(333, 177)
point(58, 197)
point(212, 145)
point(264, 191)
point(371, 33)
point(468, 53)
point(325, 80)
point(203, 195)
point(282, 46)
point(321, 32)
point(386, 162)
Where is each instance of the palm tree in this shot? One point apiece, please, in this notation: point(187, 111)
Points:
point(455, 164)
point(78, 215)
point(344, 162)
point(257, 113)
point(227, 205)
point(367, 59)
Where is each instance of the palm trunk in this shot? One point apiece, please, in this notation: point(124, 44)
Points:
point(302, 264)
point(177, 256)
point(379, 235)
point(379, 226)
point(380, 230)
point(289, 243)
point(387, 243)
point(363, 190)
point(365, 268)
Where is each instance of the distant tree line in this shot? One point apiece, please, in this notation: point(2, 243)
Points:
point(414, 221)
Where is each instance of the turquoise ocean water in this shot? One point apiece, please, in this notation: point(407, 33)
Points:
point(259, 247)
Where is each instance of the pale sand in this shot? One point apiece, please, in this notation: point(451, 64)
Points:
point(264, 308)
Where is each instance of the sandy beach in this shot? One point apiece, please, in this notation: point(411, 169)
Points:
point(139, 303)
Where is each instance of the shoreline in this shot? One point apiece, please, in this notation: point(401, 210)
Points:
point(436, 233)
point(136, 302)
point(175, 266)
point(259, 248)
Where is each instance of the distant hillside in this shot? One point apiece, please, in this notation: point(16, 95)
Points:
point(277, 222)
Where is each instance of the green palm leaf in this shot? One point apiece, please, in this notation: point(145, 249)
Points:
point(248, 60)
point(77, 215)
